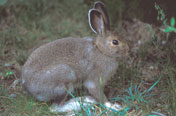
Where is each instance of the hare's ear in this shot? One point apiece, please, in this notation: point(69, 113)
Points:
point(101, 7)
point(96, 21)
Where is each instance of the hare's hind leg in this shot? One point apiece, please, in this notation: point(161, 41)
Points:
point(50, 93)
point(61, 98)
point(50, 83)
point(58, 105)
point(65, 75)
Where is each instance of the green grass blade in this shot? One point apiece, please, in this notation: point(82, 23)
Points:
point(154, 85)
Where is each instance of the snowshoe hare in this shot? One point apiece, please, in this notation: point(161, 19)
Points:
point(63, 64)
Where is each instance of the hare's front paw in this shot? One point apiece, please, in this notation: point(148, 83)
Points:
point(115, 106)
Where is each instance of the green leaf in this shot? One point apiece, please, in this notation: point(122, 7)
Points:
point(172, 21)
point(169, 29)
point(2, 2)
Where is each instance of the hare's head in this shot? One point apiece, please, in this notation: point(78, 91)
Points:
point(108, 43)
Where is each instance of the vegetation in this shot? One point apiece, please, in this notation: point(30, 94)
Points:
point(25, 25)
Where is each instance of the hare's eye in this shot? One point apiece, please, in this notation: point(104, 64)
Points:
point(115, 42)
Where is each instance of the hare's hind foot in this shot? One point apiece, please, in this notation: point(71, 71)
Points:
point(115, 107)
point(73, 104)
point(76, 104)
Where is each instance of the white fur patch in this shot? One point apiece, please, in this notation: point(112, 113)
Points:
point(73, 104)
point(115, 106)
point(108, 104)
point(90, 84)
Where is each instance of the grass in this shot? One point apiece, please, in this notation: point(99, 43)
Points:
point(25, 25)
point(20, 104)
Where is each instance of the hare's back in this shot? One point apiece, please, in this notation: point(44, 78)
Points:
point(66, 50)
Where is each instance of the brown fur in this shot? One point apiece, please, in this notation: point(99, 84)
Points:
point(64, 63)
